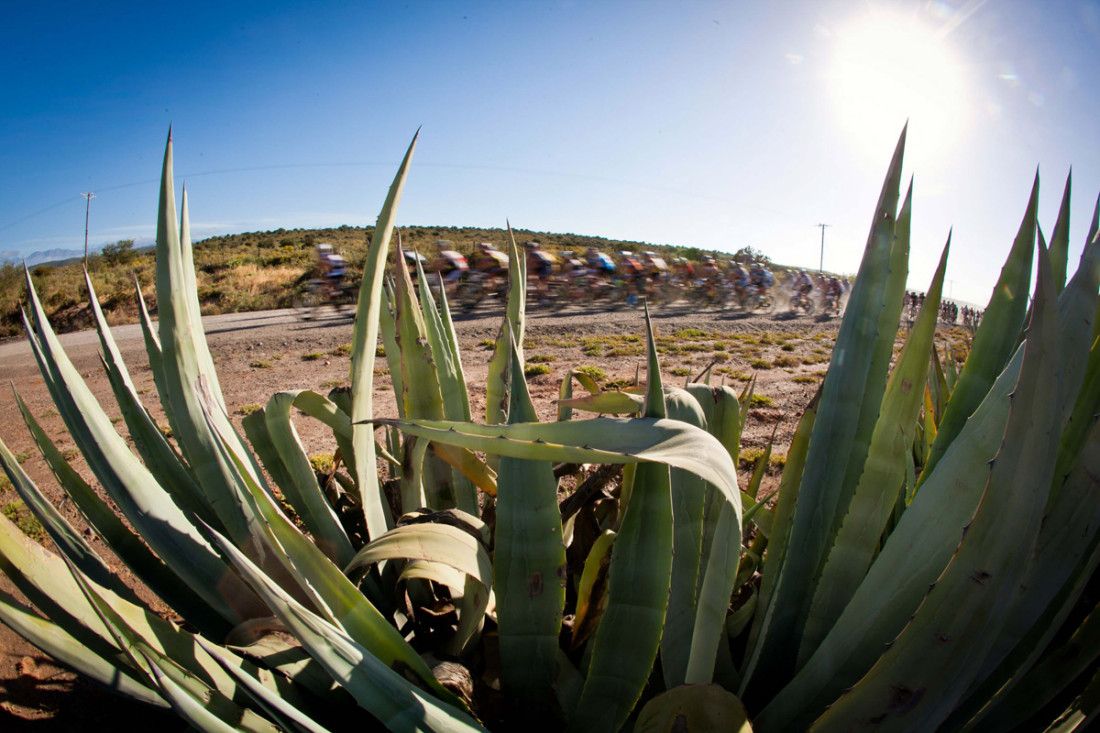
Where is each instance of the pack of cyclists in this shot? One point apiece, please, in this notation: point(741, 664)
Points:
point(557, 279)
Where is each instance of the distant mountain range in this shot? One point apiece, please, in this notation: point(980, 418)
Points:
point(38, 258)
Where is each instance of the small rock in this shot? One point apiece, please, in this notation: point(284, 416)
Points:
point(26, 666)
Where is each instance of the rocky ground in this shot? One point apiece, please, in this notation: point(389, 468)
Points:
point(257, 355)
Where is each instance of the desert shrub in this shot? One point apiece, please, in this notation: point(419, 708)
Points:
point(595, 372)
point(533, 370)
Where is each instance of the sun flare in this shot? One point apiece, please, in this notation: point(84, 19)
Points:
point(890, 68)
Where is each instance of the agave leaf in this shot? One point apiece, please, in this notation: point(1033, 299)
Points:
point(756, 511)
point(937, 386)
point(189, 377)
point(761, 467)
point(921, 544)
point(154, 448)
point(512, 326)
point(694, 707)
point(950, 369)
point(68, 541)
point(476, 599)
point(995, 340)
point(1080, 422)
point(714, 598)
point(529, 568)
point(1054, 673)
point(842, 430)
point(123, 542)
point(1071, 512)
point(72, 653)
point(1059, 238)
point(148, 507)
point(388, 326)
point(962, 614)
point(191, 297)
point(376, 513)
point(592, 588)
point(1076, 312)
point(599, 440)
point(469, 465)
point(608, 403)
point(273, 705)
point(421, 394)
point(884, 473)
point(187, 704)
point(444, 349)
point(420, 383)
point(789, 486)
point(587, 382)
point(213, 706)
point(434, 542)
point(565, 392)
point(723, 414)
point(451, 336)
point(625, 643)
point(688, 504)
point(302, 490)
point(383, 692)
point(333, 593)
point(1065, 558)
point(152, 348)
point(63, 592)
point(452, 382)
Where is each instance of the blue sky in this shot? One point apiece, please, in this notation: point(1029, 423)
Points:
point(714, 124)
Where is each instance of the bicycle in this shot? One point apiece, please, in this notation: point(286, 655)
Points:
point(801, 301)
point(319, 293)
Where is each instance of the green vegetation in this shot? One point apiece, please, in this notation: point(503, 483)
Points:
point(322, 462)
point(248, 409)
point(541, 359)
point(759, 400)
point(533, 370)
point(595, 372)
point(887, 596)
point(748, 458)
point(679, 371)
point(760, 364)
point(344, 350)
point(18, 513)
point(691, 333)
point(313, 356)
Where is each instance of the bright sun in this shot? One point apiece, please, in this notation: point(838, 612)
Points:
point(889, 68)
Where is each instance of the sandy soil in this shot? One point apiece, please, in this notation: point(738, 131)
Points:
point(257, 355)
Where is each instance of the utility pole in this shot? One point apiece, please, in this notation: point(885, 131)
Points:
point(821, 263)
point(87, 212)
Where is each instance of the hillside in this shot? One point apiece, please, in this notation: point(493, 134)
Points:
point(247, 272)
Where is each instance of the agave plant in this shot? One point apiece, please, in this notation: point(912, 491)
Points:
point(932, 545)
